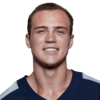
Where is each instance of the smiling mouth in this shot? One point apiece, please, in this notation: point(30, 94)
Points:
point(51, 52)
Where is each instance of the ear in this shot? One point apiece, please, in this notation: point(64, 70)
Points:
point(27, 40)
point(71, 41)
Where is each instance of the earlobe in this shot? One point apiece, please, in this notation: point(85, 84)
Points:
point(71, 41)
point(73, 44)
point(25, 43)
point(73, 38)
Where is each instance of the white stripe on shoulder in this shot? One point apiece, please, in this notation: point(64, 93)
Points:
point(12, 88)
point(89, 78)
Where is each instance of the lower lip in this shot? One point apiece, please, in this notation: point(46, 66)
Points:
point(51, 52)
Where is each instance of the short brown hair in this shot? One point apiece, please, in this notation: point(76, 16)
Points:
point(48, 6)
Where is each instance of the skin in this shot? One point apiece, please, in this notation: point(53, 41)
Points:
point(50, 77)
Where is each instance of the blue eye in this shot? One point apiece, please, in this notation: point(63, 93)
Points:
point(60, 31)
point(40, 31)
point(44, 31)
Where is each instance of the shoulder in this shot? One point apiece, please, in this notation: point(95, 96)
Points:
point(11, 90)
point(90, 85)
point(89, 78)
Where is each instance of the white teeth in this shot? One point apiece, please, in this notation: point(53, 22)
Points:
point(50, 49)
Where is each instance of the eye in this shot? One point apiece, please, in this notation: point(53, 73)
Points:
point(60, 32)
point(40, 31)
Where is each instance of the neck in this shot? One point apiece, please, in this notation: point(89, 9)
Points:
point(44, 80)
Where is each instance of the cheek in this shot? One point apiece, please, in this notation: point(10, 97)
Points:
point(36, 43)
point(38, 37)
point(37, 40)
point(64, 45)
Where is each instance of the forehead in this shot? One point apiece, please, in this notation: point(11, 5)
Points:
point(50, 18)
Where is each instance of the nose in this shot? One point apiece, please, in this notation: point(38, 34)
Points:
point(50, 38)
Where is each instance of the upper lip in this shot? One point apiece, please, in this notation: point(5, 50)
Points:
point(51, 47)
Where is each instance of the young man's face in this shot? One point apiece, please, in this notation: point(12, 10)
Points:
point(49, 36)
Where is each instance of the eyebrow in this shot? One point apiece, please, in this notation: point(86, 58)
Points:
point(56, 27)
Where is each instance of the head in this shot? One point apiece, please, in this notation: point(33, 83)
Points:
point(50, 7)
point(49, 25)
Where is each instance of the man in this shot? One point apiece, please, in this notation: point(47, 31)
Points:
point(50, 37)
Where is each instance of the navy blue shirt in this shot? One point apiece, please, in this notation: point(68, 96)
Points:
point(82, 87)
